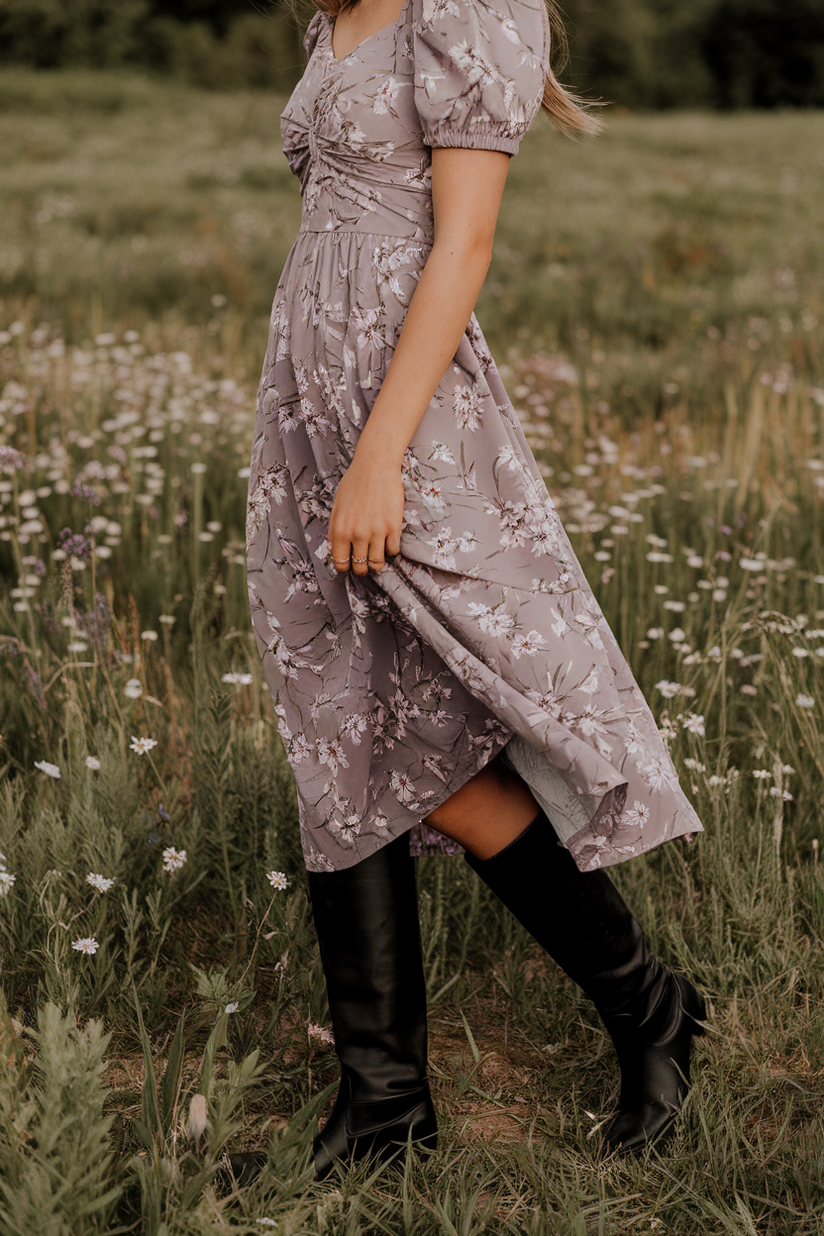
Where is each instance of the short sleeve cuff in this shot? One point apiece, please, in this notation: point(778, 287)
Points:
point(486, 137)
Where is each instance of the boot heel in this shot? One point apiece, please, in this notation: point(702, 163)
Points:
point(693, 1004)
point(387, 1140)
point(424, 1127)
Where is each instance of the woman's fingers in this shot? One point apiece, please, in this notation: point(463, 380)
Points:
point(341, 549)
point(360, 557)
point(377, 556)
point(366, 519)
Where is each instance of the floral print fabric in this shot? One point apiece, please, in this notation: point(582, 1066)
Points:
point(482, 636)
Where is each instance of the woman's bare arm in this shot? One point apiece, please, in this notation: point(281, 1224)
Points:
point(467, 186)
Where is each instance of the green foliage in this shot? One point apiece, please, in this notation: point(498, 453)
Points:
point(661, 230)
point(173, 1170)
point(257, 50)
point(54, 33)
point(710, 53)
point(249, 47)
point(56, 1163)
point(641, 53)
point(765, 53)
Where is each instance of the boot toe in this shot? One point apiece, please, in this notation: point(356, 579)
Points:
point(378, 1130)
point(630, 1132)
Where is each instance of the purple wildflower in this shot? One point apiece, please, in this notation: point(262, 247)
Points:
point(10, 458)
point(75, 544)
point(85, 491)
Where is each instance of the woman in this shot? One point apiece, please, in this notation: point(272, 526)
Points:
point(443, 677)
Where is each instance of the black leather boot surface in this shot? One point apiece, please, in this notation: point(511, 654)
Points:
point(652, 1040)
point(583, 922)
point(366, 918)
point(375, 1129)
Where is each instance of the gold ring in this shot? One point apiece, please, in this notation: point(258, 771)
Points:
point(361, 559)
point(337, 560)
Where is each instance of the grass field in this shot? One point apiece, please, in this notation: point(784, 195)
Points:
point(656, 307)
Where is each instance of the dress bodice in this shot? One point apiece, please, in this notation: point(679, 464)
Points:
point(359, 130)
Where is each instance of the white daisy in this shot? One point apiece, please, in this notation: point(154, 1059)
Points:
point(385, 96)
point(527, 644)
point(86, 944)
point(403, 787)
point(637, 815)
point(142, 745)
point(173, 859)
point(441, 451)
point(466, 404)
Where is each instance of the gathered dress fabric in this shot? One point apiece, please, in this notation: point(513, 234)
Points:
point(482, 636)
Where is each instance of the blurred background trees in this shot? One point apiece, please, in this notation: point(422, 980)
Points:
point(638, 53)
point(717, 53)
point(222, 44)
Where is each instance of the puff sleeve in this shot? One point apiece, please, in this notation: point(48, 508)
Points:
point(312, 34)
point(480, 69)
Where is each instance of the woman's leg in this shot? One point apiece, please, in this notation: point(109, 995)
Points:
point(488, 811)
point(583, 922)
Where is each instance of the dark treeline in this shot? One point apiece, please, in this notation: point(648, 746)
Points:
point(222, 44)
point(639, 53)
point(721, 53)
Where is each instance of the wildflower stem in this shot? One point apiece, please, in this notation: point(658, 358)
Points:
point(257, 936)
point(160, 780)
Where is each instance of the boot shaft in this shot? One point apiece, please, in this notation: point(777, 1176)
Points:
point(366, 918)
point(579, 918)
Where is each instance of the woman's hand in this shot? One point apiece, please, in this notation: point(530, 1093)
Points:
point(367, 514)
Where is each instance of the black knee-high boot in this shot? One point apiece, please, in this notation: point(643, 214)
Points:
point(367, 923)
point(368, 928)
point(583, 922)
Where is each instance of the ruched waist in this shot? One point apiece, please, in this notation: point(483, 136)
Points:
point(354, 205)
point(419, 235)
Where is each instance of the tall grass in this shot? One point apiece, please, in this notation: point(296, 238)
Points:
point(161, 993)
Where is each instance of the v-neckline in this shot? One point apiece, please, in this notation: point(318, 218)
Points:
point(330, 24)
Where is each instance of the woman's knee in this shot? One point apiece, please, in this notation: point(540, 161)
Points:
point(464, 801)
point(496, 797)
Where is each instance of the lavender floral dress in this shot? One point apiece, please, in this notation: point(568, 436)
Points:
point(392, 690)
